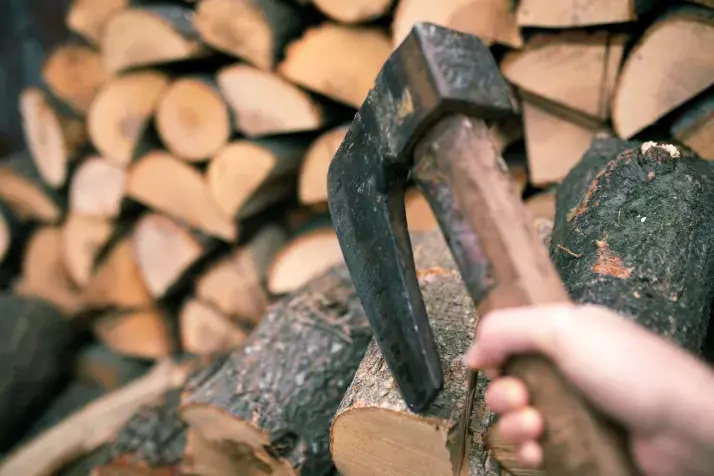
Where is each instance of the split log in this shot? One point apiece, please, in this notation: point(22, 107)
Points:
point(235, 284)
point(37, 350)
point(24, 191)
point(206, 331)
point(148, 36)
point(254, 30)
point(173, 187)
point(142, 333)
point(313, 174)
point(420, 216)
point(695, 126)
point(97, 188)
point(577, 70)
point(264, 103)
point(490, 20)
point(192, 119)
point(89, 17)
point(353, 11)
point(324, 61)
point(573, 13)
point(99, 366)
point(252, 414)
point(92, 426)
point(542, 205)
point(52, 137)
point(121, 111)
point(82, 238)
point(668, 66)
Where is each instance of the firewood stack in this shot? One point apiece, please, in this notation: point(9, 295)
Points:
point(169, 218)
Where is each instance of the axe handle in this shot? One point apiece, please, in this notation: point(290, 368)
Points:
point(578, 441)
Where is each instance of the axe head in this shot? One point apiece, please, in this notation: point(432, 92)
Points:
point(435, 71)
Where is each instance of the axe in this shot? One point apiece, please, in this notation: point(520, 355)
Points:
point(425, 119)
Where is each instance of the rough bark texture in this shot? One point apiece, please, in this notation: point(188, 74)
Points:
point(633, 231)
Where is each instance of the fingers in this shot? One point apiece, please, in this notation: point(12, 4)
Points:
point(506, 394)
point(530, 455)
point(521, 426)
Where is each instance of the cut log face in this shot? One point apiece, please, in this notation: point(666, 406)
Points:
point(164, 251)
point(542, 206)
point(695, 126)
point(97, 188)
point(313, 175)
point(668, 66)
point(205, 331)
point(573, 13)
point(82, 239)
point(26, 199)
point(420, 216)
point(324, 60)
point(306, 257)
point(193, 120)
point(119, 114)
point(140, 37)
point(264, 103)
point(490, 20)
point(575, 70)
point(74, 73)
point(144, 333)
point(88, 17)
point(52, 138)
point(353, 11)
point(173, 187)
point(5, 236)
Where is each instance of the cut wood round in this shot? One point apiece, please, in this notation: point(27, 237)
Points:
point(97, 188)
point(192, 119)
point(542, 205)
point(235, 285)
point(83, 237)
point(695, 126)
point(52, 138)
point(420, 216)
point(254, 30)
point(5, 235)
point(574, 13)
point(490, 20)
point(304, 258)
point(324, 60)
point(312, 187)
point(24, 191)
point(353, 11)
point(99, 366)
point(264, 103)
point(143, 333)
point(175, 188)
point(74, 73)
point(88, 17)
point(205, 331)
point(120, 112)
point(149, 36)
point(165, 251)
point(668, 66)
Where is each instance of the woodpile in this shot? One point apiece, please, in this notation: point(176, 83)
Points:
point(167, 232)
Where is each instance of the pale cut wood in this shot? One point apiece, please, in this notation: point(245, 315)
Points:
point(97, 188)
point(93, 425)
point(44, 274)
point(490, 20)
point(576, 70)
point(88, 17)
point(143, 333)
point(164, 251)
point(542, 205)
point(137, 37)
point(325, 60)
point(235, 285)
point(574, 13)
point(117, 282)
point(82, 239)
point(74, 73)
point(174, 188)
point(26, 196)
point(254, 30)
point(670, 64)
point(695, 126)
point(205, 331)
point(5, 236)
point(353, 11)
point(264, 103)
point(120, 112)
point(420, 216)
point(193, 120)
point(312, 187)
point(52, 138)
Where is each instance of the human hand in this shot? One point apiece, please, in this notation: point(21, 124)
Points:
point(661, 394)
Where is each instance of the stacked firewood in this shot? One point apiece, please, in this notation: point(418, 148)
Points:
point(166, 230)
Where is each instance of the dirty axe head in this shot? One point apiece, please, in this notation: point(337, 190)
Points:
point(434, 72)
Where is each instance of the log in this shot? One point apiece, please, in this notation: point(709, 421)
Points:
point(572, 13)
point(52, 138)
point(98, 366)
point(89, 17)
point(235, 284)
point(268, 408)
point(493, 21)
point(97, 188)
point(149, 36)
point(171, 186)
point(82, 238)
point(121, 111)
point(420, 216)
point(312, 187)
point(192, 119)
point(323, 60)
point(206, 331)
point(13, 240)
point(253, 30)
point(353, 11)
point(264, 103)
point(694, 126)
point(542, 205)
point(141, 333)
point(668, 66)
point(23, 190)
